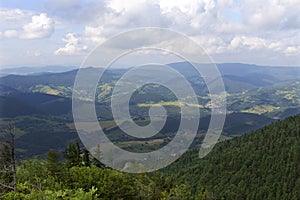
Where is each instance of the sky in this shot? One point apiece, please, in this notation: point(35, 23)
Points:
point(64, 32)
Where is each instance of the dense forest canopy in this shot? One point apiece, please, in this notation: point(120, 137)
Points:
point(264, 164)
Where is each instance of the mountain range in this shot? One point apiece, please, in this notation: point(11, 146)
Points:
point(256, 96)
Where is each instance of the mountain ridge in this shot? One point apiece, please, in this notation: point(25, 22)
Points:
point(263, 164)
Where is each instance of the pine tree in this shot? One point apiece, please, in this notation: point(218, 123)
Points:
point(72, 155)
point(53, 165)
point(86, 158)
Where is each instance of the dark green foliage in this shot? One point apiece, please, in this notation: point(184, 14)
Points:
point(72, 155)
point(15, 103)
point(86, 160)
point(264, 164)
point(36, 181)
point(53, 166)
point(41, 133)
point(8, 169)
point(5, 157)
point(77, 178)
point(6, 177)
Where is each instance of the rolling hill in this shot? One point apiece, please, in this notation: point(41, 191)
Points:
point(15, 103)
point(264, 164)
point(256, 96)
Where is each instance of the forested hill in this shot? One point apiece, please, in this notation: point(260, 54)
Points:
point(264, 164)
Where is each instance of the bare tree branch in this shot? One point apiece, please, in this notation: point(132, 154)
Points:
point(10, 142)
point(6, 186)
point(5, 171)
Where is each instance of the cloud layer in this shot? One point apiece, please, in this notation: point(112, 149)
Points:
point(228, 30)
point(40, 26)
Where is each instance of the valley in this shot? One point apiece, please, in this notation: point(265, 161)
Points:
point(256, 96)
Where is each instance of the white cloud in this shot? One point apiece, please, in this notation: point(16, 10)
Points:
point(41, 26)
point(222, 28)
point(248, 42)
point(13, 17)
point(80, 43)
point(77, 12)
point(72, 47)
point(287, 46)
point(189, 15)
point(94, 34)
point(10, 33)
point(292, 50)
point(132, 14)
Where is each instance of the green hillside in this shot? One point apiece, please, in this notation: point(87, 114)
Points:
point(256, 96)
point(264, 164)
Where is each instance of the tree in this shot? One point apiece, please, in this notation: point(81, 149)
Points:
point(96, 157)
point(53, 165)
point(6, 177)
point(72, 155)
point(8, 159)
point(86, 158)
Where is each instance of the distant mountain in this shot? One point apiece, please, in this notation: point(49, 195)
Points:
point(35, 70)
point(237, 77)
point(25, 83)
point(256, 96)
point(250, 88)
point(283, 73)
point(264, 164)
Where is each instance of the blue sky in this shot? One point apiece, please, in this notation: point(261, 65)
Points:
point(63, 32)
point(27, 5)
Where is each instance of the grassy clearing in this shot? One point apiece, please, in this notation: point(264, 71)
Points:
point(136, 143)
point(170, 103)
point(46, 89)
point(261, 109)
